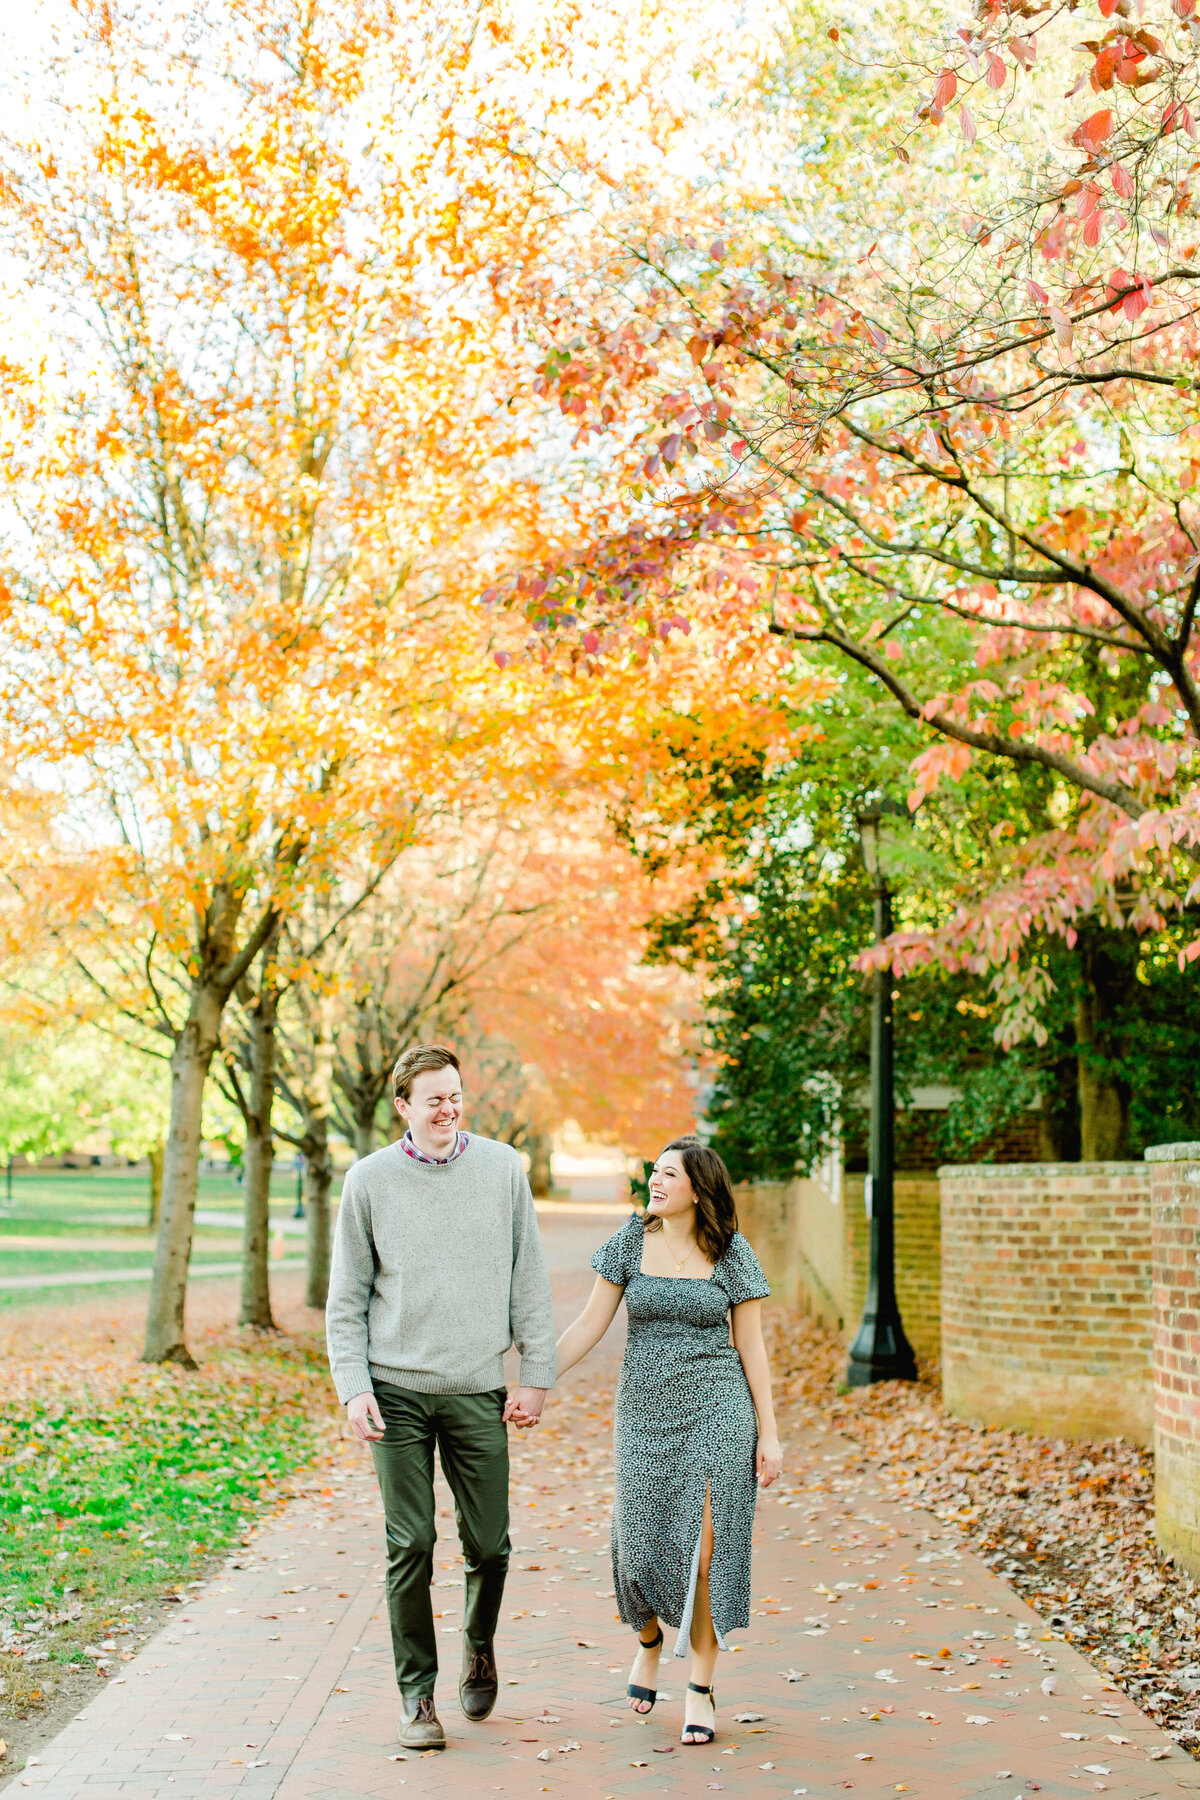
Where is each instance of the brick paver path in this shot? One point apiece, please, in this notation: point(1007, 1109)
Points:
point(881, 1657)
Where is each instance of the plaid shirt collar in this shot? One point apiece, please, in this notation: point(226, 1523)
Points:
point(410, 1149)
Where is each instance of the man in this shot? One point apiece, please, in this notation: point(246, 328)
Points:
point(437, 1269)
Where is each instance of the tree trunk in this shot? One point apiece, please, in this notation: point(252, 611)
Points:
point(318, 1179)
point(317, 1100)
point(1108, 983)
point(364, 1132)
point(540, 1181)
point(260, 1151)
point(155, 1160)
point(1058, 1120)
point(190, 1062)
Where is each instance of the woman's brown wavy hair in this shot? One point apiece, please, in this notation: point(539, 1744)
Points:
point(716, 1213)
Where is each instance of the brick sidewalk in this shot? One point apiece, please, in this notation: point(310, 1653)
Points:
point(277, 1681)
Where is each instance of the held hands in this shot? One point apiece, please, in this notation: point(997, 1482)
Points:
point(768, 1460)
point(524, 1406)
point(366, 1420)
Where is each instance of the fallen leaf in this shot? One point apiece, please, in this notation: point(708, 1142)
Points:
point(863, 1756)
point(978, 1719)
point(397, 1758)
point(1157, 1755)
point(794, 1674)
point(1050, 1685)
point(766, 1765)
point(1115, 1737)
point(748, 1718)
point(932, 1717)
point(639, 1765)
point(1078, 1737)
point(1097, 1769)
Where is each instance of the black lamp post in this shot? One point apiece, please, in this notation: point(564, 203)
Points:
point(299, 1209)
point(880, 1351)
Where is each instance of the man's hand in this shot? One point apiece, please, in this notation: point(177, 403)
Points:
point(524, 1406)
point(366, 1420)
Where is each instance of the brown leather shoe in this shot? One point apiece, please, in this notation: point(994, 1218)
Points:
point(479, 1683)
point(420, 1727)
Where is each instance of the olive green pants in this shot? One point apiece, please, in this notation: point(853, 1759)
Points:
point(472, 1443)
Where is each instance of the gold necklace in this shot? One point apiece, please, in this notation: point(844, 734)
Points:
point(680, 1265)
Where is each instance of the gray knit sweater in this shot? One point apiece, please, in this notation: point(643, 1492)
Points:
point(437, 1269)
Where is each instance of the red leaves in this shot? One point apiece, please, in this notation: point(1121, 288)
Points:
point(1104, 69)
point(944, 89)
point(1176, 117)
point(1036, 293)
point(967, 121)
point(1129, 294)
point(1183, 9)
point(1091, 134)
point(1122, 182)
point(997, 74)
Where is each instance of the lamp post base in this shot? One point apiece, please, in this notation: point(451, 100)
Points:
point(880, 1352)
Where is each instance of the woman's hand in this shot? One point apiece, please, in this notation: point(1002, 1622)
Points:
point(768, 1460)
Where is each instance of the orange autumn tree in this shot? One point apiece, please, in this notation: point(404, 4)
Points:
point(249, 486)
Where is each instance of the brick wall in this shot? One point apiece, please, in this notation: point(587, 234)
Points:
point(812, 1239)
point(918, 1213)
point(797, 1232)
point(1175, 1228)
point(1046, 1301)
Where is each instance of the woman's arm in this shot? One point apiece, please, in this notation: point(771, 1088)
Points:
point(587, 1330)
point(748, 1342)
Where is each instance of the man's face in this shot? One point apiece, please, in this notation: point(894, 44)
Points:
point(433, 1110)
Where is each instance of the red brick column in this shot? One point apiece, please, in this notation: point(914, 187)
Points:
point(1046, 1306)
point(1175, 1227)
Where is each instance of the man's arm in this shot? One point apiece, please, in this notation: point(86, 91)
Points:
point(531, 1312)
point(351, 1278)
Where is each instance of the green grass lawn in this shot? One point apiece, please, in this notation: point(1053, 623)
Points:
point(105, 1503)
point(108, 1208)
point(84, 1199)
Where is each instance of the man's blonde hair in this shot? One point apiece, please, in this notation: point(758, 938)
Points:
point(415, 1061)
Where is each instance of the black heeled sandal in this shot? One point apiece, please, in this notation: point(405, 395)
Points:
point(706, 1732)
point(644, 1693)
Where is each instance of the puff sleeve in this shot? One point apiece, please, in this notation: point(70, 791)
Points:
point(617, 1259)
point(740, 1273)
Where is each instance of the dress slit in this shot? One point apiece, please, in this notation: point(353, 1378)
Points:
point(683, 1636)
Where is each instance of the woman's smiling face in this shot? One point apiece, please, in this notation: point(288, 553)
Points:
point(671, 1193)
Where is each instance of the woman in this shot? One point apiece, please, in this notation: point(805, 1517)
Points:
point(688, 1447)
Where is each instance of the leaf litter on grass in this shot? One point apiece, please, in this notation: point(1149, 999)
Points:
point(1068, 1525)
point(119, 1481)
